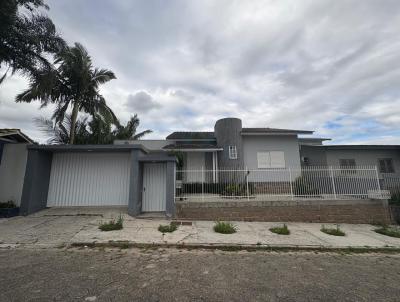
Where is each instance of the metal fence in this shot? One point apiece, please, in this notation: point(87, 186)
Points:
point(390, 183)
point(358, 182)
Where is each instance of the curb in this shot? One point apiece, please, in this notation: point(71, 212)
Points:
point(239, 247)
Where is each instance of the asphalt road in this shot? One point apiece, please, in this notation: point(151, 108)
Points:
point(177, 275)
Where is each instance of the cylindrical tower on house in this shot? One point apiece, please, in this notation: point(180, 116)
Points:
point(227, 131)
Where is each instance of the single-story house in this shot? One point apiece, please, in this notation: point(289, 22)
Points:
point(230, 164)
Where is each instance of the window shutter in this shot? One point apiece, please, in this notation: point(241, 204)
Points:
point(264, 160)
point(277, 159)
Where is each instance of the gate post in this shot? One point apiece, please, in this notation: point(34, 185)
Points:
point(333, 182)
point(202, 183)
point(291, 183)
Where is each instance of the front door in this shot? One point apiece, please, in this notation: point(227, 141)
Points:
point(154, 187)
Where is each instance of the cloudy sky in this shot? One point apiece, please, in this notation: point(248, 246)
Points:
point(329, 66)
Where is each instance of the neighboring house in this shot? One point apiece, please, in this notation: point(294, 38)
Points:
point(13, 156)
point(386, 159)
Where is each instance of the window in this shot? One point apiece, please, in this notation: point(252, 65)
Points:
point(347, 165)
point(271, 159)
point(386, 165)
point(232, 152)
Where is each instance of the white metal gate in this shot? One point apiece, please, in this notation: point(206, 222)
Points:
point(89, 179)
point(154, 187)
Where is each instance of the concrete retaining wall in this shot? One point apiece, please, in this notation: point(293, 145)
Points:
point(327, 211)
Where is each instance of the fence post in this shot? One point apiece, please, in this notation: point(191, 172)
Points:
point(377, 181)
point(202, 183)
point(291, 183)
point(247, 184)
point(333, 182)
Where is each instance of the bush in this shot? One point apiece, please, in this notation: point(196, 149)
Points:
point(112, 225)
point(302, 186)
point(169, 228)
point(333, 231)
point(280, 230)
point(395, 198)
point(220, 188)
point(7, 205)
point(225, 227)
point(388, 231)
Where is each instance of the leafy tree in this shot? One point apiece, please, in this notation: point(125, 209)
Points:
point(26, 36)
point(73, 83)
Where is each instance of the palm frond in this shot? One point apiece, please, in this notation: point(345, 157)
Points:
point(141, 134)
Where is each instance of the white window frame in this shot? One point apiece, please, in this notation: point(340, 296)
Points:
point(232, 152)
point(268, 159)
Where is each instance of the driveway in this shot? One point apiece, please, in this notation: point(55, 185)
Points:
point(198, 275)
point(65, 226)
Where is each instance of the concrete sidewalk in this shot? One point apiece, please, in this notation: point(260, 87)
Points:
point(69, 226)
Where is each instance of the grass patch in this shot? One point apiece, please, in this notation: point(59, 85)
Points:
point(168, 228)
point(112, 225)
point(388, 231)
point(225, 227)
point(280, 230)
point(333, 231)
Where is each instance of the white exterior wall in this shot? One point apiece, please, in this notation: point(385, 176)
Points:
point(195, 162)
point(260, 143)
point(89, 179)
point(12, 172)
point(364, 158)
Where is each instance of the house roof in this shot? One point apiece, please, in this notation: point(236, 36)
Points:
point(192, 147)
point(14, 136)
point(192, 135)
point(316, 141)
point(359, 147)
point(88, 148)
point(209, 135)
point(274, 131)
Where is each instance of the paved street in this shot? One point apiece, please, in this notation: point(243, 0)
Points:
point(198, 275)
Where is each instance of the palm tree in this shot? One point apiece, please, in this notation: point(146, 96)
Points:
point(27, 36)
point(129, 131)
point(96, 131)
point(59, 133)
point(73, 83)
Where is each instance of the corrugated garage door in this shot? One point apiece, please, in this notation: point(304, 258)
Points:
point(89, 179)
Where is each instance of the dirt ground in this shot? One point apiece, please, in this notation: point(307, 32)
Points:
point(198, 275)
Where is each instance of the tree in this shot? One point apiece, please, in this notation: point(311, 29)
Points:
point(59, 133)
point(26, 36)
point(129, 131)
point(73, 83)
point(96, 131)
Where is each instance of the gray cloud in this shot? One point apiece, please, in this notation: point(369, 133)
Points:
point(295, 64)
point(141, 102)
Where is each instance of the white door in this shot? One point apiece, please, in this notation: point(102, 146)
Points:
point(89, 179)
point(154, 187)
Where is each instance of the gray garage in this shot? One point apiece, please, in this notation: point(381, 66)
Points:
point(99, 175)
